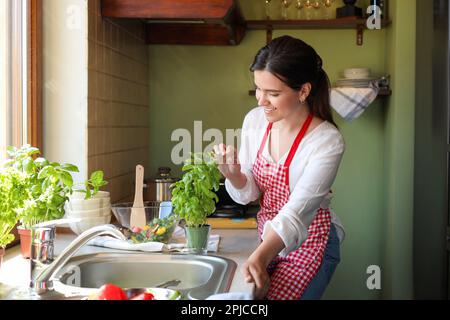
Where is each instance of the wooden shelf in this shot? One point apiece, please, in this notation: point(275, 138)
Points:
point(384, 92)
point(341, 23)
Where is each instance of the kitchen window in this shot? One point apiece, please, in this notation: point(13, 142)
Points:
point(20, 75)
point(20, 71)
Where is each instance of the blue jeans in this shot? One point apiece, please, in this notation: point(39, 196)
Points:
point(331, 258)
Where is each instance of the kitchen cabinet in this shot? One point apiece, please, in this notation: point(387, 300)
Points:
point(189, 22)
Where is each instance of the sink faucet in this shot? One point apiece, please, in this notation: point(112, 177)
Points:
point(43, 266)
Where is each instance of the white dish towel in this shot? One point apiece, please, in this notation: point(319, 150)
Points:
point(178, 236)
point(231, 296)
point(351, 102)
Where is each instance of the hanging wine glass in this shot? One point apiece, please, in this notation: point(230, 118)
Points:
point(268, 8)
point(285, 4)
point(299, 6)
point(327, 8)
point(316, 6)
point(308, 9)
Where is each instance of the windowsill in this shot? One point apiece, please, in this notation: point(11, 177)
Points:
point(13, 268)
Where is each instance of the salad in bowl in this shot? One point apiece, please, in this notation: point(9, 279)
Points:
point(158, 230)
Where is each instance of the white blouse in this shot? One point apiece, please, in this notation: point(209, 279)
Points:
point(311, 175)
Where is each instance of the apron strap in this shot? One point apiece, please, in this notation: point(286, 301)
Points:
point(261, 147)
point(297, 140)
point(295, 145)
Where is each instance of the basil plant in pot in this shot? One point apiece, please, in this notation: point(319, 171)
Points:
point(36, 190)
point(12, 195)
point(193, 198)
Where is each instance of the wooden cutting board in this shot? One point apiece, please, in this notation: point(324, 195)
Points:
point(233, 223)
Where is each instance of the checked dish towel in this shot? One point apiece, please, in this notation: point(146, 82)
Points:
point(350, 102)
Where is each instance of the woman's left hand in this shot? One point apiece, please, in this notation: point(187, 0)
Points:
point(255, 271)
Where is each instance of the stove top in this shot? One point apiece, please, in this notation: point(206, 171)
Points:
point(234, 211)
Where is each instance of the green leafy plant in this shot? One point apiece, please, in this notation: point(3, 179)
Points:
point(35, 188)
point(193, 198)
point(93, 184)
point(47, 185)
point(13, 193)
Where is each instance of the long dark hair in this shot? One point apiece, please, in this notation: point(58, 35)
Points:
point(295, 63)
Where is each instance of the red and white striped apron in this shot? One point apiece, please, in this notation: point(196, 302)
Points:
point(289, 276)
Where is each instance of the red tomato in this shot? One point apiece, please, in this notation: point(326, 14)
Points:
point(143, 296)
point(111, 292)
point(136, 229)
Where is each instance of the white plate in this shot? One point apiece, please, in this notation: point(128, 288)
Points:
point(357, 79)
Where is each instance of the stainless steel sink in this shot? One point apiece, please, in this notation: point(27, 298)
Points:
point(200, 276)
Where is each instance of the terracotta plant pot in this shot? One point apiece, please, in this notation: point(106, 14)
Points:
point(2, 253)
point(25, 241)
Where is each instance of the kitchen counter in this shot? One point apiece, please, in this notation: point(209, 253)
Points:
point(235, 244)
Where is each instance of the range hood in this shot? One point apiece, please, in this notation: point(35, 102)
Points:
point(213, 22)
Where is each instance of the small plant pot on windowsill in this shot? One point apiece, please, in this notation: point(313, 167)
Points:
point(197, 239)
point(25, 241)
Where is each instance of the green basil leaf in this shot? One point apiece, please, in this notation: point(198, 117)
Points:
point(97, 178)
point(67, 179)
point(69, 167)
point(28, 165)
point(46, 172)
point(41, 162)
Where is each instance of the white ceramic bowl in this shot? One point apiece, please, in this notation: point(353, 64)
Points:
point(102, 212)
point(81, 195)
point(357, 73)
point(87, 223)
point(90, 204)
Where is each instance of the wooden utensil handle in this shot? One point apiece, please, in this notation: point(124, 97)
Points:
point(138, 194)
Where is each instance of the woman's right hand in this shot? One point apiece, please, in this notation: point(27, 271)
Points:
point(228, 164)
point(227, 161)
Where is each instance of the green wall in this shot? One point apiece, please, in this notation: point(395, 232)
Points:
point(399, 153)
point(211, 83)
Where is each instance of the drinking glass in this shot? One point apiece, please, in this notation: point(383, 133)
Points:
point(299, 6)
point(268, 8)
point(308, 9)
point(316, 6)
point(285, 4)
point(327, 8)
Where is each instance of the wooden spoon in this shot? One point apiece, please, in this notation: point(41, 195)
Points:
point(137, 217)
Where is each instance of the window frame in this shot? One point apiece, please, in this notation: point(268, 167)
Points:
point(35, 73)
point(34, 82)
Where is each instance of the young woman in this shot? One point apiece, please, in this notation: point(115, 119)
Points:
point(289, 156)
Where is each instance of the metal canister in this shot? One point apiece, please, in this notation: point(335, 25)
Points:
point(163, 181)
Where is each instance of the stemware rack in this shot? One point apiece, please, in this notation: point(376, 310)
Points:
point(341, 23)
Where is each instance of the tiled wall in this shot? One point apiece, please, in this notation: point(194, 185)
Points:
point(117, 100)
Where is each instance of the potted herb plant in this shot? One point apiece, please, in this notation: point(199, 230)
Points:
point(90, 204)
point(193, 198)
point(38, 189)
point(12, 195)
point(90, 197)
